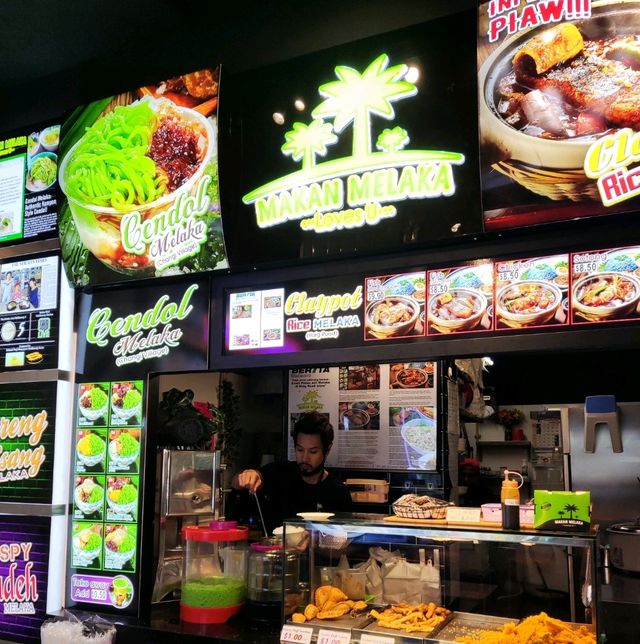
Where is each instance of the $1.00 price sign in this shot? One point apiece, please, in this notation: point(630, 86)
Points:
point(375, 639)
point(333, 637)
point(297, 634)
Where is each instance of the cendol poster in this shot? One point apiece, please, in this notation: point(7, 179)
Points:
point(139, 177)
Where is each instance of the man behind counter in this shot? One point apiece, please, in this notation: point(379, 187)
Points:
point(303, 485)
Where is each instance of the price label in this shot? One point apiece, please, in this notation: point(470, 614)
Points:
point(463, 515)
point(333, 637)
point(585, 267)
point(367, 638)
point(298, 634)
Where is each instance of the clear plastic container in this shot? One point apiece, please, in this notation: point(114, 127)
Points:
point(213, 572)
point(272, 576)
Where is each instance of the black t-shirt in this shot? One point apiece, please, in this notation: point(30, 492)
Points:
point(285, 493)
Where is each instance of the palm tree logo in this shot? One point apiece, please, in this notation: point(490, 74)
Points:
point(392, 140)
point(305, 141)
point(354, 97)
point(570, 508)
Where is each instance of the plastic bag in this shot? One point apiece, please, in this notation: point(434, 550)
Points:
point(410, 582)
point(373, 583)
point(69, 629)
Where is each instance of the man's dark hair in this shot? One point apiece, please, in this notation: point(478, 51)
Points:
point(316, 423)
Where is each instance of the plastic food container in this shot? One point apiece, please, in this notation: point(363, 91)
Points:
point(213, 572)
point(368, 490)
point(493, 512)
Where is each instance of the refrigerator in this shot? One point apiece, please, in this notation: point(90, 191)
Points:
point(613, 478)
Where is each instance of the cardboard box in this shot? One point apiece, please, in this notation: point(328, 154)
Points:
point(562, 510)
point(368, 490)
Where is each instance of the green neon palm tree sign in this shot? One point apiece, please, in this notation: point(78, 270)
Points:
point(351, 100)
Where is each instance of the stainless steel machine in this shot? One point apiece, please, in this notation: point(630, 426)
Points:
point(188, 492)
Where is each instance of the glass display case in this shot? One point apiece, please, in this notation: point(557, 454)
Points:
point(374, 580)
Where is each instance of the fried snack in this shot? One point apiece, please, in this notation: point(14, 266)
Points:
point(537, 628)
point(310, 611)
point(298, 618)
point(411, 618)
point(333, 613)
point(321, 596)
point(359, 605)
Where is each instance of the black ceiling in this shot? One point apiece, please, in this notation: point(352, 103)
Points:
point(55, 54)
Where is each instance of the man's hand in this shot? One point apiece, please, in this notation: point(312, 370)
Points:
point(248, 480)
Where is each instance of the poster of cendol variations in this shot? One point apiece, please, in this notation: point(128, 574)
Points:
point(139, 176)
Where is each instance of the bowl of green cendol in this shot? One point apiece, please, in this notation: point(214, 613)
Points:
point(123, 449)
point(93, 402)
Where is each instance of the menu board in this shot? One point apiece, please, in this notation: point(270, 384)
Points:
point(384, 415)
point(106, 493)
point(460, 299)
point(29, 184)
point(360, 149)
point(24, 565)
point(27, 438)
point(139, 173)
point(606, 285)
point(29, 313)
point(130, 332)
point(558, 99)
point(303, 314)
point(532, 293)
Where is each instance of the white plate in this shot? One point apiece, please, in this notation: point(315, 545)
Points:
point(315, 516)
point(8, 331)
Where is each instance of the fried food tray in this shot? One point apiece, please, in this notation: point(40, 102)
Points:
point(402, 635)
point(466, 624)
point(347, 621)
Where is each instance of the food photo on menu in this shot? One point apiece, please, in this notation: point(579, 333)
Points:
point(606, 285)
point(86, 545)
point(358, 377)
point(394, 306)
point(122, 498)
point(460, 299)
point(93, 404)
point(88, 497)
point(359, 414)
point(532, 292)
point(126, 403)
point(91, 450)
point(42, 159)
point(120, 547)
point(124, 450)
point(411, 375)
point(417, 429)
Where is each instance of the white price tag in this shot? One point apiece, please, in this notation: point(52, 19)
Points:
point(463, 515)
point(333, 637)
point(297, 634)
point(376, 639)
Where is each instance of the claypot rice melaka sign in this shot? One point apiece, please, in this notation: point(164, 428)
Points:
point(558, 101)
point(139, 173)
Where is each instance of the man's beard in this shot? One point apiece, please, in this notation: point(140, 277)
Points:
point(305, 473)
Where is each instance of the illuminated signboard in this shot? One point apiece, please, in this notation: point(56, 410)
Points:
point(24, 565)
point(29, 180)
point(359, 149)
point(29, 315)
point(131, 332)
point(139, 173)
point(554, 146)
point(27, 436)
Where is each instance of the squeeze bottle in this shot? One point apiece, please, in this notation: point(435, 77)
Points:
point(510, 500)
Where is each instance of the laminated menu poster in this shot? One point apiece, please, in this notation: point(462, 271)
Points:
point(29, 315)
point(606, 285)
point(384, 416)
point(558, 104)
point(460, 299)
point(532, 293)
point(394, 306)
point(29, 184)
point(24, 565)
point(106, 493)
point(139, 173)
